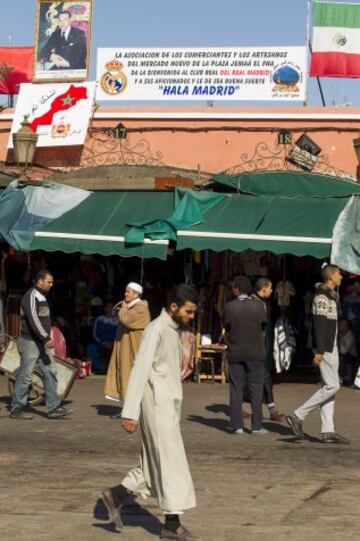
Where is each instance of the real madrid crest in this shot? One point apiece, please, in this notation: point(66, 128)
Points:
point(113, 81)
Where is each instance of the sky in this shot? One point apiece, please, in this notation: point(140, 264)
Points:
point(187, 23)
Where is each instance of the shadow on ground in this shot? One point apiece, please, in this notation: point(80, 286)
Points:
point(106, 410)
point(133, 515)
point(219, 408)
point(223, 424)
point(218, 424)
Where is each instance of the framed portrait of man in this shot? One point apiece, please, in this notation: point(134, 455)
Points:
point(62, 40)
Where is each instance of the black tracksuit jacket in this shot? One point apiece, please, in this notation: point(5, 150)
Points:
point(35, 316)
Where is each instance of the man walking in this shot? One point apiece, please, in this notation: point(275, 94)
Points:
point(324, 341)
point(263, 291)
point(153, 400)
point(35, 348)
point(244, 321)
point(133, 316)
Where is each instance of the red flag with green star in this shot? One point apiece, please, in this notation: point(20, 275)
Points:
point(61, 103)
point(15, 68)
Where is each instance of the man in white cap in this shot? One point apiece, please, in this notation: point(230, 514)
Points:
point(133, 315)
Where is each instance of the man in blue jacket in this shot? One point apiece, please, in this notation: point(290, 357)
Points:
point(323, 340)
point(35, 348)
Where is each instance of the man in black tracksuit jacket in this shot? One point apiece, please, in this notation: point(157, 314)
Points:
point(323, 339)
point(35, 348)
point(244, 320)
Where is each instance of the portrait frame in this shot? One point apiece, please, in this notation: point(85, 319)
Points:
point(62, 41)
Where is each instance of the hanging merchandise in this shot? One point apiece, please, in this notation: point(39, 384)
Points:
point(110, 274)
point(284, 344)
point(284, 290)
point(251, 262)
point(197, 256)
point(307, 301)
point(2, 326)
point(216, 267)
point(213, 295)
point(221, 298)
point(188, 267)
point(3, 284)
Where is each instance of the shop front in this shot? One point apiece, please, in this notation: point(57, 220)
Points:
point(203, 237)
point(274, 212)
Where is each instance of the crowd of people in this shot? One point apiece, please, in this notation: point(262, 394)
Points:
point(146, 371)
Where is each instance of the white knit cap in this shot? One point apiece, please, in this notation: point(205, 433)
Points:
point(135, 287)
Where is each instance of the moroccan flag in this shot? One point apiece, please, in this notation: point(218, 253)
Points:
point(336, 40)
point(61, 103)
point(15, 68)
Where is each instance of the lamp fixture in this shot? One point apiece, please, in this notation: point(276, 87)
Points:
point(24, 141)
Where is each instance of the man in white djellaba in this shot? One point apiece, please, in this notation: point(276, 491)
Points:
point(153, 400)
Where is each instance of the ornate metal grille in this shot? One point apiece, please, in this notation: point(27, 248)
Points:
point(102, 148)
point(265, 158)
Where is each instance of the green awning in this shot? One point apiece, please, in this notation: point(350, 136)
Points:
point(289, 184)
point(189, 209)
point(98, 225)
point(299, 226)
point(295, 225)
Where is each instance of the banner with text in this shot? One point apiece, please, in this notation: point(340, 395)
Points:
point(224, 73)
point(58, 112)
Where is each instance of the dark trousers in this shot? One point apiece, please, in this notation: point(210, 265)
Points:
point(268, 387)
point(348, 367)
point(253, 372)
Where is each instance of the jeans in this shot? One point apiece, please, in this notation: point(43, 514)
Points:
point(31, 355)
point(253, 372)
point(324, 398)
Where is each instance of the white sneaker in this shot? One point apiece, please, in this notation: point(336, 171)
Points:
point(261, 431)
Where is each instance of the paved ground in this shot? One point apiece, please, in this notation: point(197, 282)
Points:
point(248, 487)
